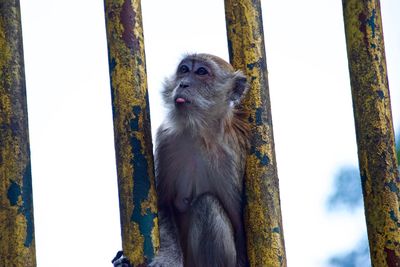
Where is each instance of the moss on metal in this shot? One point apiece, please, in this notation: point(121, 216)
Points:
point(17, 241)
point(374, 129)
point(265, 242)
point(134, 153)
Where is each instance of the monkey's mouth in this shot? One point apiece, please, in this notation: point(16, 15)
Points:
point(180, 100)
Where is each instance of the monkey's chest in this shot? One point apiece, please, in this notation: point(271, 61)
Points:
point(192, 179)
point(198, 173)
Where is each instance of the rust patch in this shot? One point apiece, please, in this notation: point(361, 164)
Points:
point(128, 21)
point(362, 18)
point(392, 259)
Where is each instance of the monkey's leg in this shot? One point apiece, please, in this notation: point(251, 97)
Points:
point(211, 241)
point(170, 254)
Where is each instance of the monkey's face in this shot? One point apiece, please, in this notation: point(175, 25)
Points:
point(204, 86)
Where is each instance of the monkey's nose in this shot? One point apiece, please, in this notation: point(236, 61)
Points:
point(183, 85)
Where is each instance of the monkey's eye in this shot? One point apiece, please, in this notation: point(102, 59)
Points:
point(201, 71)
point(183, 69)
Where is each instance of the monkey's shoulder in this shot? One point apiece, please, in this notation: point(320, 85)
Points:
point(237, 130)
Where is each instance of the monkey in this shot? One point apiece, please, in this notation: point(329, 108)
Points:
point(200, 155)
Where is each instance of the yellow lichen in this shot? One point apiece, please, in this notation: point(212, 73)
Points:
point(14, 146)
point(129, 89)
point(262, 213)
point(375, 136)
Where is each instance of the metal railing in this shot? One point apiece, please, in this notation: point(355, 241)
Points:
point(133, 145)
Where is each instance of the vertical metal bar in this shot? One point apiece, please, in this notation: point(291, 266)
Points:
point(374, 129)
point(17, 240)
point(265, 242)
point(133, 144)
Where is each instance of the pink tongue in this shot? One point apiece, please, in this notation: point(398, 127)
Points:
point(180, 100)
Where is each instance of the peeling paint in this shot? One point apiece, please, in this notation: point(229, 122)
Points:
point(371, 22)
point(133, 145)
point(264, 232)
point(27, 205)
point(259, 116)
point(17, 242)
point(394, 218)
point(276, 230)
point(13, 193)
point(394, 187)
point(374, 129)
point(381, 94)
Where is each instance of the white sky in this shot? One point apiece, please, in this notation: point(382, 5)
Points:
point(70, 118)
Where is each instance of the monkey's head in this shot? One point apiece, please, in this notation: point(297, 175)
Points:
point(204, 88)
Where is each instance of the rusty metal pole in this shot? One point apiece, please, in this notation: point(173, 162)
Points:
point(17, 239)
point(133, 144)
point(265, 242)
point(374, 129)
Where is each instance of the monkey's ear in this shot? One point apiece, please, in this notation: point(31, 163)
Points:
point(240, 87)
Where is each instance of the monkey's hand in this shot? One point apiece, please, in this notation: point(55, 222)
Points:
point(120, 260)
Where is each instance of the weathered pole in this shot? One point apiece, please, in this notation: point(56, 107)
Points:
point(265, 242)
point(374, 129)
point(17, 239)
point(133, 144)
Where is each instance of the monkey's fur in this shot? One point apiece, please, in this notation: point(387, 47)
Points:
point(199, 159)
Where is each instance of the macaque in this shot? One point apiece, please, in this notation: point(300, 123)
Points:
point(199, 161)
